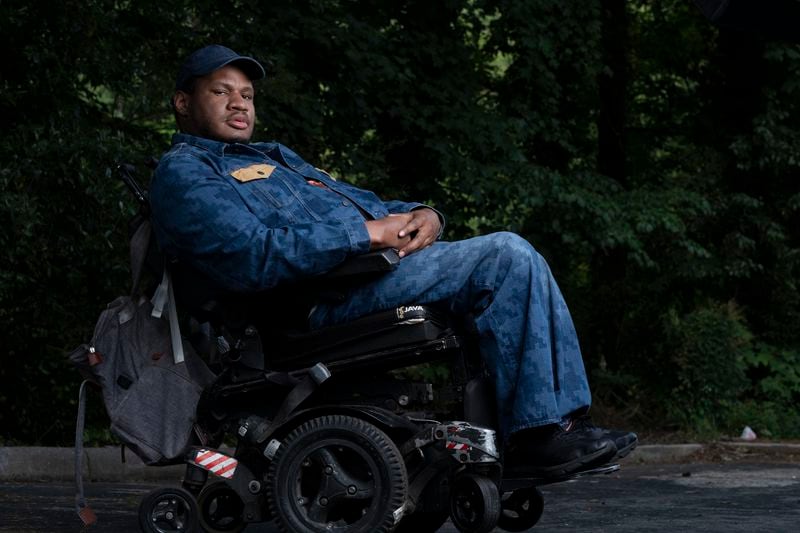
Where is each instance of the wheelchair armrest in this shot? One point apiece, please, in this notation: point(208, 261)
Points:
point(370, 262)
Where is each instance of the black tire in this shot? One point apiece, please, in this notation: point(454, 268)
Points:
point(521, 509)
point(474, 504)
point(168, 510)
point(220, 509)
point(336, 473)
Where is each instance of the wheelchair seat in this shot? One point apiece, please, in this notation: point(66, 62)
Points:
point(400, 336)
point(275, 323)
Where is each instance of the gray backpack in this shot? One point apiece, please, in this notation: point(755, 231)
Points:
point(151, 383)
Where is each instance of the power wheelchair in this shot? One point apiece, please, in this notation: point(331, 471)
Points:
point(329, 430)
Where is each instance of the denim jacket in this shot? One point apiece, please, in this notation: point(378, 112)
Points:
point(246, 216)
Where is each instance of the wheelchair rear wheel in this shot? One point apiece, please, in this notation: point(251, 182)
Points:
point(336, 473)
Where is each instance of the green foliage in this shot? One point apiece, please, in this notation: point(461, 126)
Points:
point(498, 112)
point(718, 379)
point(776, 374)
point(767, 418)
point(708, 348)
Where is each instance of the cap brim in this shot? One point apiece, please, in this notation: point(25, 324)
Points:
point(249, 66)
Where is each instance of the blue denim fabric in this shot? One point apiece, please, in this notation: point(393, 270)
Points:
point(527, 337)
point(255, 235)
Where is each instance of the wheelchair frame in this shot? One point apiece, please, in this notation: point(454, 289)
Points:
point(321, 435)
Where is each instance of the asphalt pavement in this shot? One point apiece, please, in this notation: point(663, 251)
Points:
point(715, 488)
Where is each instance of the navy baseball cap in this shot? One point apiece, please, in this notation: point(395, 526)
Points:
point(209, 58)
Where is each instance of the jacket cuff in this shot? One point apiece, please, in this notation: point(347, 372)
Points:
point(358, 235)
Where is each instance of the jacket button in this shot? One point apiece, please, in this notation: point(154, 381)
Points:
point(345, 203)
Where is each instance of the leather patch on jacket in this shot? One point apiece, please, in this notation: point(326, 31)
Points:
point(253, 172)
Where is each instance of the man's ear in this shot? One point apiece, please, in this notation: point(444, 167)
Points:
point(180, 102)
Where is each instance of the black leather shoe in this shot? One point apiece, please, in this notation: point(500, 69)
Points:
point(554, 452)
point(625, 441)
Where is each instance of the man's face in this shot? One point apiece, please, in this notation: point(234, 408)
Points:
point(220, 108)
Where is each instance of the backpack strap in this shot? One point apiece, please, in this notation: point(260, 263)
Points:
point(85, 512)
point(140, 242)
point(165, 297)
point(160, 297)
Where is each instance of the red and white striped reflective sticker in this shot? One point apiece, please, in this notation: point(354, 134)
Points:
point(456, 445)
point(216, 463)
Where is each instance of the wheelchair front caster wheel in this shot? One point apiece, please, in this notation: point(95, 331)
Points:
point(337, 473)
point(220, 509)
point(168, 510)
point(521, 510)
point(474, 504)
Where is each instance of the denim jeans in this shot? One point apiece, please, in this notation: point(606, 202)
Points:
point(527, 337)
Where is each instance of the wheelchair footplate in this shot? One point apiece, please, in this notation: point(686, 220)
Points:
point(512, 481)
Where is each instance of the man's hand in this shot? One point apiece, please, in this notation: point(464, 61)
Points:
point(423, 228)
point(406, 232)
point(385, 232)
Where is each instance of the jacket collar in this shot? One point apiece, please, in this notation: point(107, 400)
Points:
point(215, 147)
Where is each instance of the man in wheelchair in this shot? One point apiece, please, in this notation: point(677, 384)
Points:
point(255, 217)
